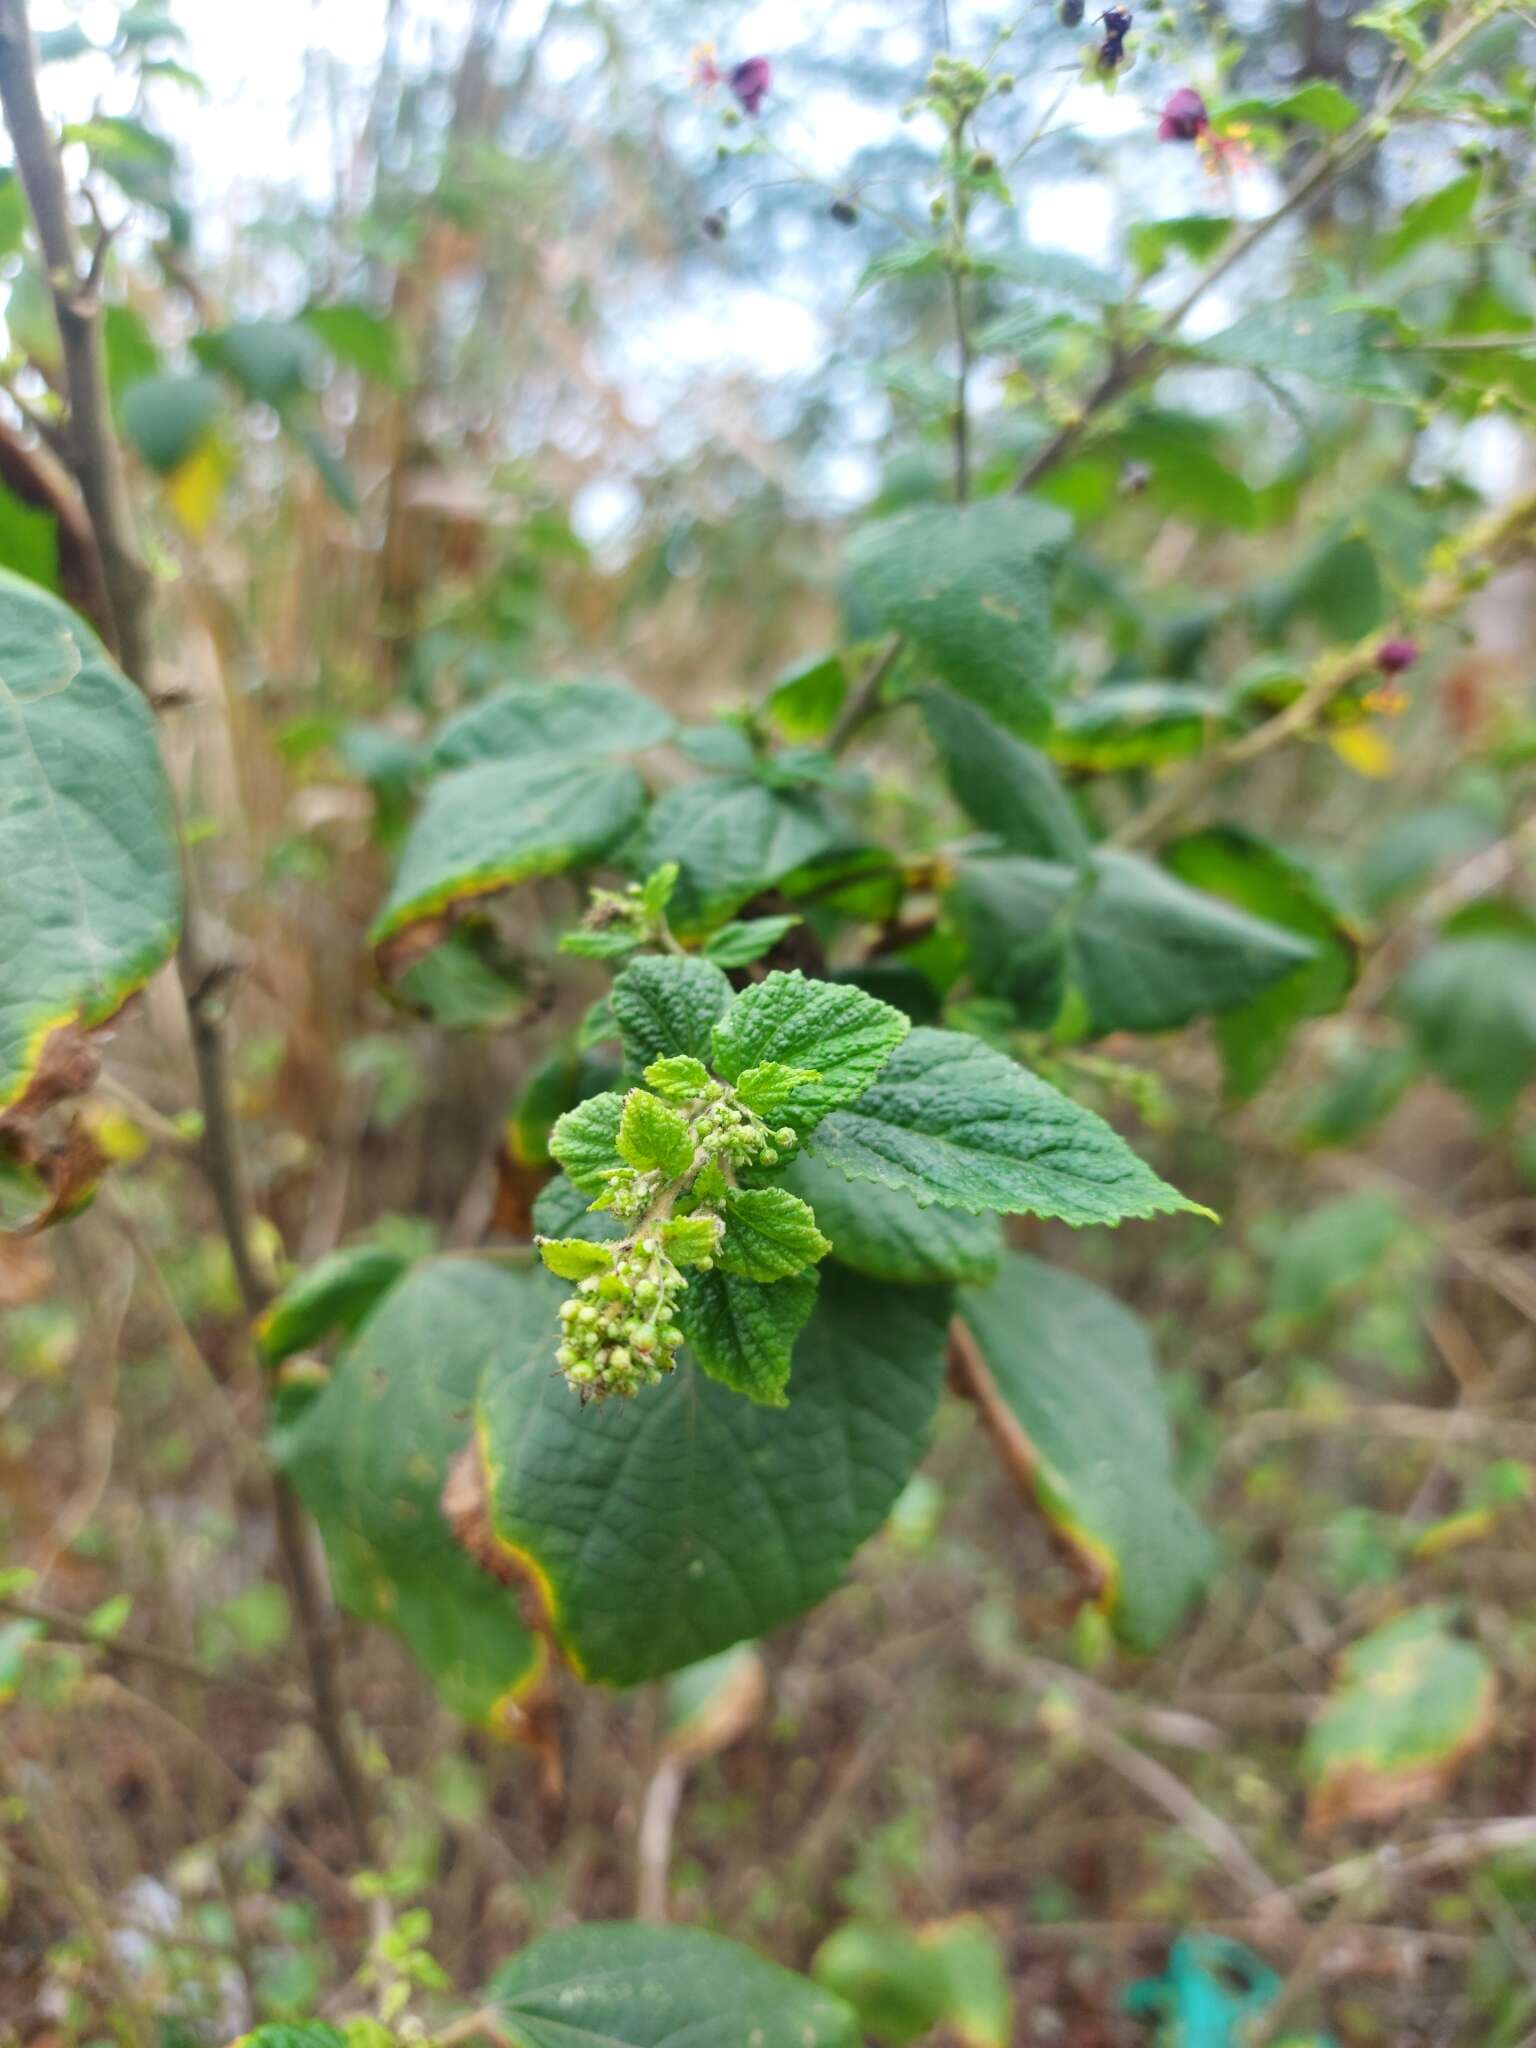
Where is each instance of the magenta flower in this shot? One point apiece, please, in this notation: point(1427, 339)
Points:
point(1393, 656)
point(1184, 117)
point(750, 81)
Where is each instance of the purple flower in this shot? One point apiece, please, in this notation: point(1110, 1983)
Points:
point(750, 80)
point(1393, 656)
point(1184, 117)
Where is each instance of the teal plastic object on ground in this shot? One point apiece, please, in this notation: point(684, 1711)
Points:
point(1209, 1994)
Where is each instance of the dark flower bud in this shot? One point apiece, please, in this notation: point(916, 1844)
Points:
point(844, 212)
point(1393, 656)
point(1184, 117)
point(750, 81)
point(983, 164)
point(714, 225)
point(1071, 13)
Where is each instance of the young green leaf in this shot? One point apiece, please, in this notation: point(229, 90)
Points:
point(336, 1292)
point(586, 1140)
point(677, 1077)
point(833, 1030)
point(666, 1006)
point(951, 1121)
point(687, 1240)
point(574, 1258)
point(769, 1234)
point(653, 1135)
point(767, 1089)
point(743, 1334)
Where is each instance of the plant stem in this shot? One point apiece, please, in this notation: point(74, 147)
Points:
point(96, 460)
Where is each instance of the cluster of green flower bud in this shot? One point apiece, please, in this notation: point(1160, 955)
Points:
point(618, 1331)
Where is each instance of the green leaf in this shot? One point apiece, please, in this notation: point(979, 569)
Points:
point(273, 361)
point(904, 1982)
point(1138, 950)
point(293, 2034)
point(970, 587)
point(739, 944)
point(1410, 1702)
point(668, 1007)
point(1431, 219)
point(1134, 725)
point(1335, 345)
point(484, 828)
point(363, 340)
point(677, 1078)
point(653, 1135)
point(1229, 862)
point(586, 1140)
point(370, 1455)
point(769, 1234)
point(459, 987)
point(765, 1090)
point(626, 1985)
point(837, 1032)
point(733, 836)
point(574, 1258)
point(333, 1294)
point(1319, 104)
point(1004, 786)
point(580, 720)
point(692, 1519)
point(29, 541)
point(743, 1334)
point(166, 418)
point(953, 1122)
point(1469, 1002)
point(804, 703)
point(1197, 235)
point(884, 1234)
point(561, 1209)
point(15, 1636)
point(90, 892)
point(687, 1239)
point(1083, 1425)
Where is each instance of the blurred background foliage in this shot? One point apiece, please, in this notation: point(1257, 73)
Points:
point(516, 355)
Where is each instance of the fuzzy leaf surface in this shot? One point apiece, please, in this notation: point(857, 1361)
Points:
point(833, 1030)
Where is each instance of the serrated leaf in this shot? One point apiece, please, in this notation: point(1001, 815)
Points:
point(691, 1519)
point(970, 586)
point(1332, 344)
point(90, 891)
point(732, 837)
point(370, 1455)
point(677, 1077)
point(740, 943)
point(484, 828)
point(626, 1985)
point(1006, 787)
point(884, 1234)
point(1410, 1702)
point(333, 1294)
point(1138, 950)
point(653, 1135)
point(766, 1089)
point(830, 1029)
point(567, 720)
point(586, 1140)
point(574, 1258)
point(668, 1006)
point(1083, 1427)
point(744, 1334)
point(953, 1122)
point(687, 1239)
point(769, 1234)
point(1319, 104)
